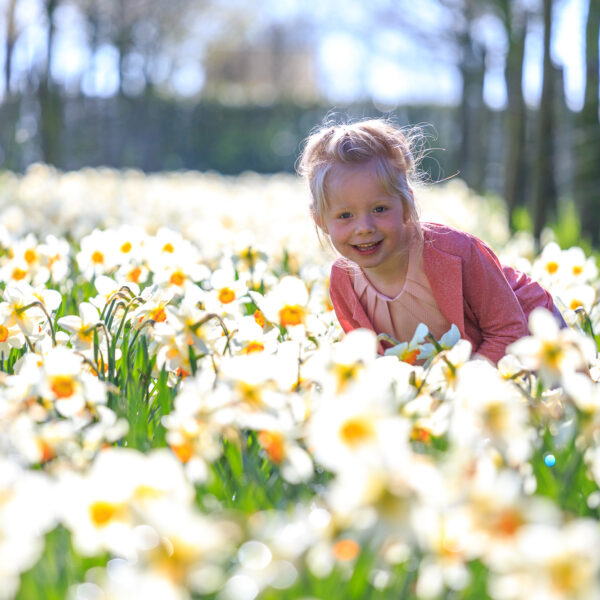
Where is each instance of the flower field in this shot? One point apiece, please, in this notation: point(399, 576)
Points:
point(181, 416)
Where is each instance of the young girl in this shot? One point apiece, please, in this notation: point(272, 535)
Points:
point(395, 271)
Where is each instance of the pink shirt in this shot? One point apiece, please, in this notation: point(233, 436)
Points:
point(487, 301)
point(414, 304)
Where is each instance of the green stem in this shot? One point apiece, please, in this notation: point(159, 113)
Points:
point(385, 337)
point(435, 343)
point(40, 305)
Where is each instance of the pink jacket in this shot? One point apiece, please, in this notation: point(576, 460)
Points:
point(489, 303)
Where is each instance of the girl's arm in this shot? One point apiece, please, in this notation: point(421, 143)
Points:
point(490, 302)
point(346, 304)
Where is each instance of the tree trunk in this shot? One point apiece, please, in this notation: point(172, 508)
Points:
point(544, 198)
point(11, 38)
point(49, 99)
point(587, 136)
point(515, 118)
point(11, 105)
point(473, 120)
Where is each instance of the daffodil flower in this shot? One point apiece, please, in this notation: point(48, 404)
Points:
point(410, 351)
point(81, 327)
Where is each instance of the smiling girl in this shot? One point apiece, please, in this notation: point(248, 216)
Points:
point(395, 271)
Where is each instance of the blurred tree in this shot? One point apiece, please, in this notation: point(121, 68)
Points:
point(586, 148)
point(143, 33)
point(459, 34)
point(10, 37)
point(275, 65)
point(10, 106)
point(514, 17)
point(49, 97)
point(473, 110)
point(544, 182)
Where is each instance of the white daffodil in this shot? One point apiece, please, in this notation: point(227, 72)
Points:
point(357, 427)
point(486, 406)
point(284, 451)
point(226, 292)
point(98, 254)
point(67, 386)
point(249, 337)
point(410, 352)
point(550, 266)
point(584, 392)
point(27, 512)
point(55, 252)
point(108, 289)
point(11, 336)
point(580, 268)
point(576, 296)
point(552, 561)
point(153, 308)
point(24, 309)
point(551, 351)
point(286, 303)
point(82, 327)
point(121, 490)
point(129, 244)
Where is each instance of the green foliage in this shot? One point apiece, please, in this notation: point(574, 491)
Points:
point(244, 480)
point(567, 228)
point(521, 220)
point(59, 568)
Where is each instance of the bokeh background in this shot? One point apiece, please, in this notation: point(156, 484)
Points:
point(509, 88)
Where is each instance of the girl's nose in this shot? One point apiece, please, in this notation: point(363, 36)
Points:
point(364, 224)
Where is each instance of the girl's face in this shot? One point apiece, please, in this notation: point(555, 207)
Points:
point(365, 223)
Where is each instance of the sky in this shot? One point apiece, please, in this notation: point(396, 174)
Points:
point(391, 70)
point(418, 76)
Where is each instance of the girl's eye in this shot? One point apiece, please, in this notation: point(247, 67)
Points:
point(379, 209)
point(345, 215)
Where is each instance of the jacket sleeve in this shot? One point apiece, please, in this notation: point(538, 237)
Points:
point(343, 311)
point(493, 304)
point(346, 304)
point(529, 292)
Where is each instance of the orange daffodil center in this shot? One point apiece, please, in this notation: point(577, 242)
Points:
point(159, 315)
point(356, 431)
point(253, 347)
point(102, 513)
point(285, 304)
point(575, 303)
point(259, 318)
point(30, 256)
point(18, 274)
point(184, 452)
point(292, 315)
point(226, 295)
point(177, 278)
point(273, 443)
point(62, 386)
point(346, 549)
point(134, 274)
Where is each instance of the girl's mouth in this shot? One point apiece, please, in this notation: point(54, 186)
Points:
point(367, 248)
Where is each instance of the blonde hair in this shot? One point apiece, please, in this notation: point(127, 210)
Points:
point(375, 141)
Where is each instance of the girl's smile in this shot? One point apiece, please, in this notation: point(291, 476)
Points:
point(367, 224)
point(367, 248)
